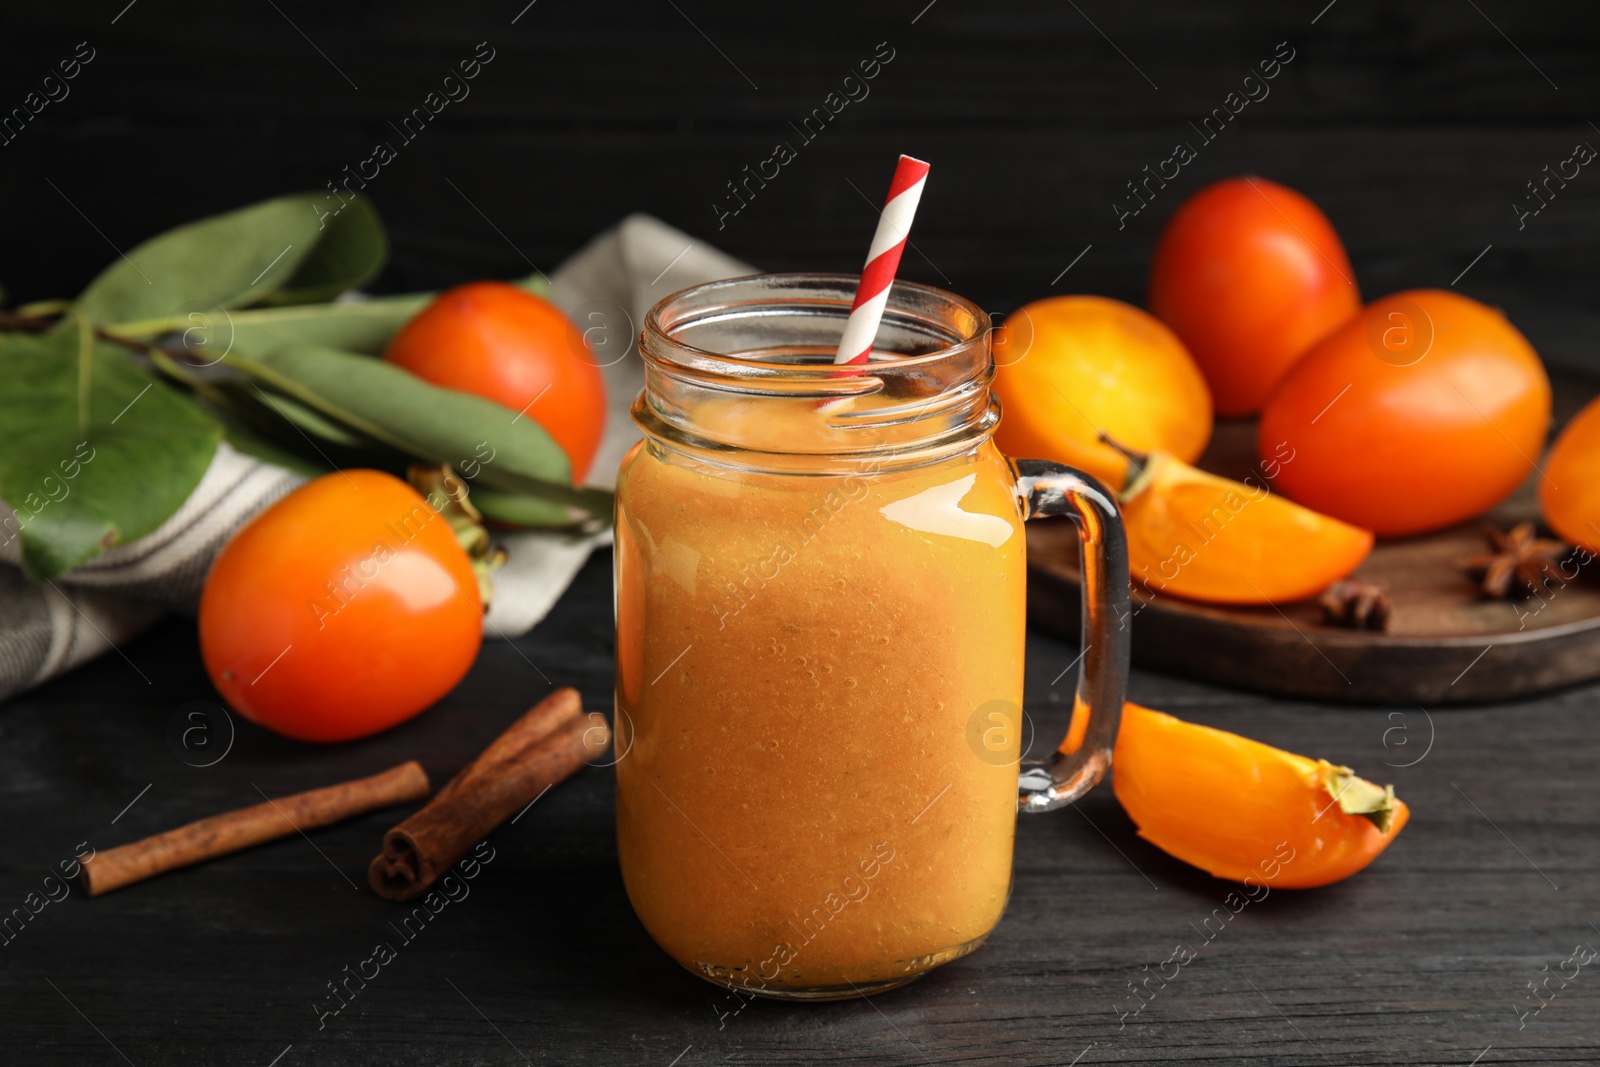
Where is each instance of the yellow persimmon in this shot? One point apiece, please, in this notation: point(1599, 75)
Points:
point(1238, 809)
point(1199, 536)
point(1071, 368)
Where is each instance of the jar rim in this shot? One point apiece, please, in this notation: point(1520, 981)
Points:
point(668, 317)
point(924, 398)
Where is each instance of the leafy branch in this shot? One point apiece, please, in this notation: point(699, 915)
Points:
point(224, 327)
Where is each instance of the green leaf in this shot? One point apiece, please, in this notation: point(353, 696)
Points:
point(75, 496)
point(351, 252)
point(86, 342)
point(310, 419)
point(244, 438)
point(475, 436)
point(518, 509)
point(599, 503)
point(224, 261)
point(363, 326)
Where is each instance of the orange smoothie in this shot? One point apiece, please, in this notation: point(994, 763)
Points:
point(819, 680)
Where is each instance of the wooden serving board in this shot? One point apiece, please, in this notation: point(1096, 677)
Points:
point(1445, 644)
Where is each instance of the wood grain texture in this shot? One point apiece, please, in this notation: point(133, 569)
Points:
point(1415, 125)
point(1418, 960)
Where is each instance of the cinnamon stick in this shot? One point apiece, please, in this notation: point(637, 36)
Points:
point(219, 835)
point(543, 747)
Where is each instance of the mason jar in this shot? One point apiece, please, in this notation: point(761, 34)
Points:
point(820, 600)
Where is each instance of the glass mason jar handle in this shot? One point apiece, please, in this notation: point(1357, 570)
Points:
point(1050, 489)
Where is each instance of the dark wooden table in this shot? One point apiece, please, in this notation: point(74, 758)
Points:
point(1415, 125)
point(1423, 959)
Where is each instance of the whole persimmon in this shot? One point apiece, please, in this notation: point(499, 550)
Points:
point(1250, 273)
point(345, 608)
point(508, 345)
point(1070, 368)
point(1425, 409)
point(1569, 491)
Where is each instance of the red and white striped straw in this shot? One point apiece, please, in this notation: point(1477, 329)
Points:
point(883, 259)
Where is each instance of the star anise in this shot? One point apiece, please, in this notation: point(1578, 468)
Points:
point(1357, 604)
point(1518, 564)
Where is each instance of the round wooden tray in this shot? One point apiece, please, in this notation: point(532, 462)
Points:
point(1445, 644)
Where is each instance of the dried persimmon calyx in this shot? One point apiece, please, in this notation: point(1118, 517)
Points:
point(1356, 796)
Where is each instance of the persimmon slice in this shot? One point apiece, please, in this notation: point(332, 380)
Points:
point(1199, 536)
point(1240, 809)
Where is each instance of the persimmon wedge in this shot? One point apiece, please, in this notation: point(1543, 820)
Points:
point(1202, 537)
point(1238, 809)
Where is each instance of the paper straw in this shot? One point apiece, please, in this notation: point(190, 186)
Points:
point(883, 259)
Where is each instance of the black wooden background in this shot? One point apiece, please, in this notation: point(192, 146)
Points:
point(1415, 126)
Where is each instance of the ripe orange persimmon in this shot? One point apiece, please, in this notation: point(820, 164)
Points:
point(1425, 409)
point(1249, 274)
point(1199, 536)
point(1239, 809)
point(345, 608)
point(1569, 492)
point(1070, 368)
point(508, 345)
